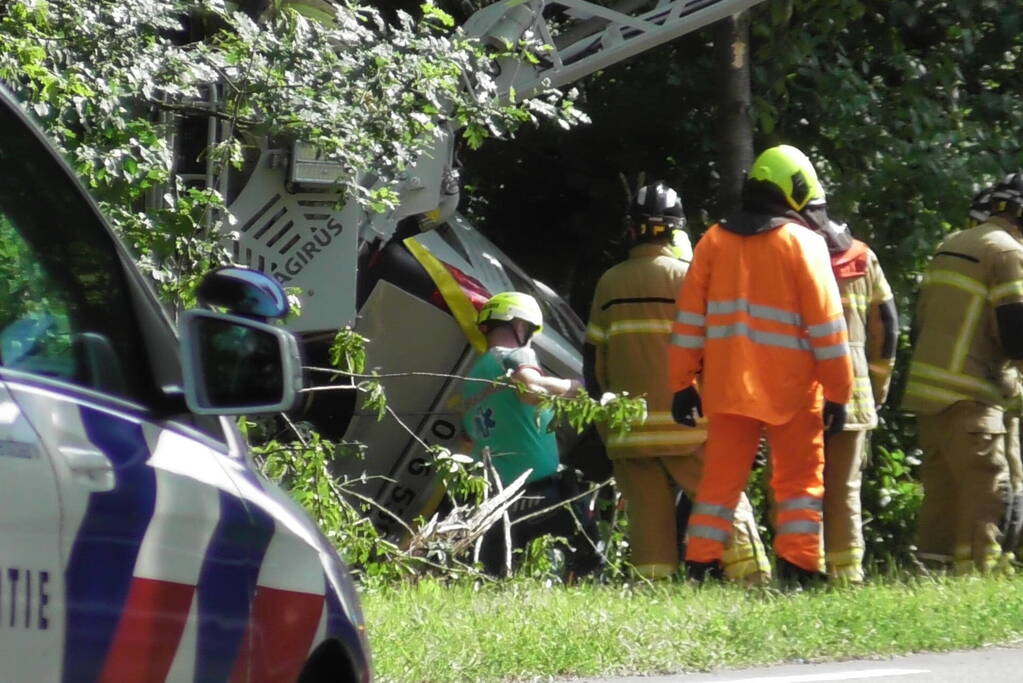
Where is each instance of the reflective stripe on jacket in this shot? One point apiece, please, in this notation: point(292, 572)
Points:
point(630, 321)
point(762, 317)
point(957, 355)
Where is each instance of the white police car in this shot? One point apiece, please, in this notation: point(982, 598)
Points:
point(137, 540)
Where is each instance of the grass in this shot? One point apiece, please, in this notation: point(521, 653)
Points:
point(429, 632)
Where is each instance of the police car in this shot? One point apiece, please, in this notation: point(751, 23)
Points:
point(137, 540)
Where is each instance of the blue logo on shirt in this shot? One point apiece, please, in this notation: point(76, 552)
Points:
point(485, 423)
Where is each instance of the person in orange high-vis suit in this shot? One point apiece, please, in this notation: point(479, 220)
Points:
point(760, 316)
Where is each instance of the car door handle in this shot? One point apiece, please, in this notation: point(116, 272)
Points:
point(89, 467)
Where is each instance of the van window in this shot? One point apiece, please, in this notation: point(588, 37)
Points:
point(65, 310)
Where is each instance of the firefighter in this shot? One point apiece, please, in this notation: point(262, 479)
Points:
point(873, 327)
point(1012, 519)
point(504, 421)
point(626, 342)
point(968, 335)
point(759, 314)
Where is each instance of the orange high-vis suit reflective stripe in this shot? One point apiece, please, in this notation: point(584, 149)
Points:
point(760, 316)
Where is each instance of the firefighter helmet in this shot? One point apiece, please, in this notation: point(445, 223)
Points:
point(836, 235)
point(508, 306)
point(791, 172)
point(980, 206)
point(657, 209)
point(1007, 196)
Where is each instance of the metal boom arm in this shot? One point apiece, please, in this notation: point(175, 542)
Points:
point(591, 36)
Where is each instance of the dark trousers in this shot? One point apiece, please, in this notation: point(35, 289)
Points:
point(581, 556)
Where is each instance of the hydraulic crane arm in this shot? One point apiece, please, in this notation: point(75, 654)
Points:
point(585, 37)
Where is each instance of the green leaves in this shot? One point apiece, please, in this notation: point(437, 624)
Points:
point(434, 13)
point(348, 351)
point(115, 82)
point(617, 412)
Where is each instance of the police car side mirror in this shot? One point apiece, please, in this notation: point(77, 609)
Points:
point(234, 365)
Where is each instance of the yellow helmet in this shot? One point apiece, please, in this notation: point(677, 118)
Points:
point(790, 171)
point(510, 305)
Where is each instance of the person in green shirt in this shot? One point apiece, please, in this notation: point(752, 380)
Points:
point(506, 427)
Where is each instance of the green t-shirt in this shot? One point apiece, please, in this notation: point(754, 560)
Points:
point(515, 432)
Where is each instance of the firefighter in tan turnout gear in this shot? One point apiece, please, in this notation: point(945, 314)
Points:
point(1012, 518)
point(626, 346)
point(873, 327)
point(968, 334)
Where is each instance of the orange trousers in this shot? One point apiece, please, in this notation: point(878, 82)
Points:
point(797, 480)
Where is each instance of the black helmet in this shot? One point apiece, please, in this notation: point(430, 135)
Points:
point(980, 206)
point(1007, 196)
point(656, 210)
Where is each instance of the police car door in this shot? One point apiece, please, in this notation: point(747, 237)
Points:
point(77, 492)
point(127, 551)
point(30, 564)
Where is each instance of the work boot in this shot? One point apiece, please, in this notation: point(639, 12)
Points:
point(702, 571)
point(794, 577)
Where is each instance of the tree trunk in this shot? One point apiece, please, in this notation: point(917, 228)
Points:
point(735, 127)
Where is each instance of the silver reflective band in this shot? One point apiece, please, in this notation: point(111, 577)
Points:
point(824, 329)
point(755, 310)
point(787, 341)
point(799, 528)
point(801, 503)
point(704, 531)
point(686, 341)
point(687, 318)
point(713, 510)
point(833, 351)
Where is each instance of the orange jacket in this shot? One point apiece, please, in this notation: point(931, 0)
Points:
point(760, 316)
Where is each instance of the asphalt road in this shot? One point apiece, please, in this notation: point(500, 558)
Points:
point(988, 665)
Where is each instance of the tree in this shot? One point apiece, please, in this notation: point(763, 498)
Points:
point(735, 126)
point(110, 81)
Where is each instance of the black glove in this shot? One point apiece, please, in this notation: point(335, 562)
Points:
point(1011, 525)
point(834, 417)
point(686, 407)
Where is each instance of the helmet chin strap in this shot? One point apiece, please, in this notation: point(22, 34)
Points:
point(519, 339)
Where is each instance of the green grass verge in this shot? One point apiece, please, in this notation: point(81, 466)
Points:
point(522, 630)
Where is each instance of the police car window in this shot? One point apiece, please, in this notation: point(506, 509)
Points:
point(65, 312)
